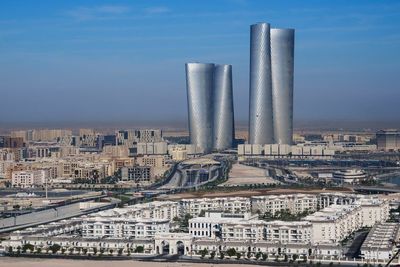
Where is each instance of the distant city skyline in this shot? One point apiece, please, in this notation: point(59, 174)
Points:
point(122, 61)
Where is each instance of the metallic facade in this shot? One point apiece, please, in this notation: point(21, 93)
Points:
point(260, 104)
point(282, 65)
point(224, 128)
point(199, 85)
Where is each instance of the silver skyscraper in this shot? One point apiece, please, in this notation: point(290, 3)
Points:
point(282, 65)
point(223, 108)
point(199, 84)
point(260, 107)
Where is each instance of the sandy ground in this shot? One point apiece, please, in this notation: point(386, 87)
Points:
point(35, 262)
point(242, 174)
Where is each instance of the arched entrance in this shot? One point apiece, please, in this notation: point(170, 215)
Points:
point(165, 247)
point(180, 248)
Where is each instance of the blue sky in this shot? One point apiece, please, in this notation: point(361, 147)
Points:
point(124, 60)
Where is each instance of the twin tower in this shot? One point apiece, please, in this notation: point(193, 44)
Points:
point(210, 97)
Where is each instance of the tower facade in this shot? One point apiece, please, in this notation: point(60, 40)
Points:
point(282, 66)
point(260, 103)
point(210, 106)
point(224, 127)
point(271, 85)
point(199, 86)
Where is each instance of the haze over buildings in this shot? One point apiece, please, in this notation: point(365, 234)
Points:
point(62, 61)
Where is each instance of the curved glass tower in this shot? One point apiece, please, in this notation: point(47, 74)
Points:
point(199, 85)
point(282, 65)
point(260, 106)
point(223, 108)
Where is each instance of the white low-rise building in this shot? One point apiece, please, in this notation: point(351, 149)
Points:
point(334, 223)
point(298, 232)
point(380, 242)
point(294, 203)
point(373, 211)
point(228, 227)
point(103, 227)
point(26, 179)
point(196, 206)
point(163, 210)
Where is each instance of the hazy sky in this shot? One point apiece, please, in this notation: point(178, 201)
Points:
point(124, 60)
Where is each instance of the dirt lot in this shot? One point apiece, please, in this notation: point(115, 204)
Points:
point(242, 175)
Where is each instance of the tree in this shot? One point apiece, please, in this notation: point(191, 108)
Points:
point(238, 255)
point(286, 258)
point(139, 249)
point(295, 257)
point(212, 255)
point(185, 221)
point(258, 255)
point(264, 256)
point(120, 251)
point(54, 248)
point(231, 252)
point(221, 255)
point(249, 255)
point(203, 253)
point(26, 247)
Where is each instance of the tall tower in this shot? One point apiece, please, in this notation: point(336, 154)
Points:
point(260, 105)
point(199, 85)
point(282, 66)
point(224, 128)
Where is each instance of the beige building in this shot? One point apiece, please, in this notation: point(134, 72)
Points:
point(294, 203)
point(195, 206)
point(25, 179)
point(49, 134)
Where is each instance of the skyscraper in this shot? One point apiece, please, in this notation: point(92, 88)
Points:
point(282, 65)
point(260, 104)
point(271, 85)
point(199, 85)
point(210, 106)
point(224, 128)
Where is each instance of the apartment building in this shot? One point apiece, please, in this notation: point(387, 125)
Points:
point(137, 173)
point(228, 227)
point(26, 179)
point(334, 223)
point(373, 211)
point(195, 206)
point(104, 227)
point(162, 210)
point(294, 203)
point(299, 232)
point(380, 242)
